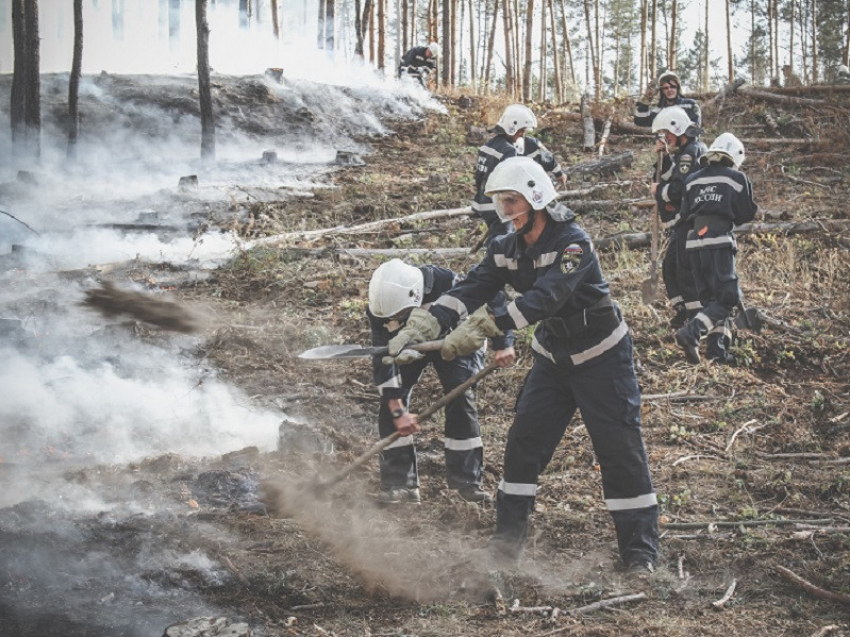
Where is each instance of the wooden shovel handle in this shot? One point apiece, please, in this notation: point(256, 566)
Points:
point(383, 443)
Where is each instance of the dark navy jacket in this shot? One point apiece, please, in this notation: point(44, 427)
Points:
point(492, 153)
point(437, 281)
point(415, 61)
point(717, 197)
point(645, 114)
point(559, 277)
point(671, 185)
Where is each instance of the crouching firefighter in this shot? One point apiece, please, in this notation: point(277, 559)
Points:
point(681, 150)
point(582, 359)
point(717, 198)
point(395, 290)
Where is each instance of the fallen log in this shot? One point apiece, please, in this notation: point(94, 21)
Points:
point(606, 131)
point(360, 228)
point(584, 192)
point(722, 524)
point(605, 166)
point(778, 99)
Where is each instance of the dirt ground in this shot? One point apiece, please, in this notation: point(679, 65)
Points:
point(759, 449)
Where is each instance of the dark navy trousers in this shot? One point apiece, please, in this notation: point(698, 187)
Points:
point(464, 451)
point(605, 391)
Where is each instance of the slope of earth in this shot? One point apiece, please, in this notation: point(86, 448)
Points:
point(751, 448)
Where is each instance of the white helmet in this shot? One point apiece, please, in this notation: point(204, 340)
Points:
point(516, 116)
point(673, 119)
point(395, 286)
point(434, 48)
point(843, 70)
point(726, 145)
point(522, 175)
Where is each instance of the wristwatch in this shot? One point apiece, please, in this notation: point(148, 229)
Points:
point(398, 413)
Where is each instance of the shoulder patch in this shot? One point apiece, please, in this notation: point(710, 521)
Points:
point(685, 162)
point(571, 258)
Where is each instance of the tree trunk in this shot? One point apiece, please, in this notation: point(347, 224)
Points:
point(472, 68)
point(382, 28)
point(591, 47)
point(320, 35)
point(276, 23)
point(74, 81)
point(413, 31)
point(174, 24)
point(204, 87)
point(652, 69)
point(556, 56)
point(814, 41)
point(671, 53)
point(588, 129)
point(529, 36)
point(330, 31)
point(770, 61)
point(845, 56)
point(32, 116)
point(508, 30)
point(490, 45)
point(597, 71)
point(371, 26)
point(567, 43)
point(447, 38)
point(791, 37)
point(518, 68)
point(405, 21)
point(18, 105)
point(541, 84)
point(706, 53)
point(118, 19)
point(453, 47)
point(644, 7)
point(730, 60)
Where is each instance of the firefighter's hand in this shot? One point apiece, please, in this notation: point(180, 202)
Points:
point(505, 357)
point(421, 326)
point(653, 188)
point(470, 335)
point(404, 357)
point(660, 146)
point(649, 94)
point(407, 424)
point(561, 181)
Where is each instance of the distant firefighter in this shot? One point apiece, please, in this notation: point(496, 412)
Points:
point(419, 62)
point(842, 76)
point(669, 89)
point(791, 78)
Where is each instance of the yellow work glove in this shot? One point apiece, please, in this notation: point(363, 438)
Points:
point(421, 326)
point(470, 335)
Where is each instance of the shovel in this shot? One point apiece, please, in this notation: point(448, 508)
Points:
point(342, 352)
point(748, 318)
point(385, 442)
point(649, 287)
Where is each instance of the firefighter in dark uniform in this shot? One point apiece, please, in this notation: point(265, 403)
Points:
point(582, 359)
point(418, 62)
point(394, 290)
point(677, 142)
point(669, 88)
point(510, 141)
point(718, 197)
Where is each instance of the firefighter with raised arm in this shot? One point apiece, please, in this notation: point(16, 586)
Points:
point(717, 198)
point(582, 359)
point(395, 290)
point(677, 142)
point(669, 89)
point(511, 140)
point(419, 62)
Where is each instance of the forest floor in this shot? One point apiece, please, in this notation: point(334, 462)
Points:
point(743, 450)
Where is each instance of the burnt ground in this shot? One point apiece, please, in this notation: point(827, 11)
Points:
point(752, 447)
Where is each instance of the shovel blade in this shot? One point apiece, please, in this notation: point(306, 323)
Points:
point(337, 352)
point(649, 290)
